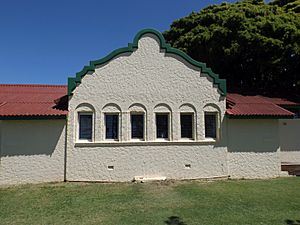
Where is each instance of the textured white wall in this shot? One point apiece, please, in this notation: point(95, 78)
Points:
point(32, 151)
point(88, 163)
point(152, 81)
point(253, 148)
point(289, 132)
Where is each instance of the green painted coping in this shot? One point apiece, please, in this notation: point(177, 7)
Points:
point(74, 81)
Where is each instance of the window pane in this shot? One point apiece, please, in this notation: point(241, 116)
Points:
point(186, 123)
point(112, 126)
point(162, 125)
point(137, 126)
point(85, 127)
point(210, 126)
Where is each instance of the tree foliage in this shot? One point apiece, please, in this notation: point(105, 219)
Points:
point(254, 45)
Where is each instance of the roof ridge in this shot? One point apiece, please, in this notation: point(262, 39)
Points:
point(32, 92)
point(36, 85)
point(31, 114)
point(30, 102)
point(256, 103)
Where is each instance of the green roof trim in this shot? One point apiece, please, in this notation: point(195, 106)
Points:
point(73, 82)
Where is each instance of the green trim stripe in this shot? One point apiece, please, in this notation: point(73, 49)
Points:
point(73, 82)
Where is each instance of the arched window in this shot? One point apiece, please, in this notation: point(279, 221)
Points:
point(138, 114)
point(163, 121)
point(211, 121)
point(85, 114)
point(112, 122)
point(187, 122)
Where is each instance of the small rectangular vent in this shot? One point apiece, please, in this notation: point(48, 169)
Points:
point(187, 166)
point(110, 167)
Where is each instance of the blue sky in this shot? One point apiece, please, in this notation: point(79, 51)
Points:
point(44, 42)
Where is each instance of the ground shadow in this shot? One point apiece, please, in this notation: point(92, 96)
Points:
point(174, 220)
point(292, 222)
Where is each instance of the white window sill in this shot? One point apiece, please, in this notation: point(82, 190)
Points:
point(187, 140)
point(145, 143)
point(210, 139)
point(162, 140)
point(111, 140)
point(137, 140)
point(84, 141)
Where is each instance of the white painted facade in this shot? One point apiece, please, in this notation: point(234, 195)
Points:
point(146, 81)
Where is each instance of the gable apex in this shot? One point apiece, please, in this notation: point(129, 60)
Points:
point(73, 82)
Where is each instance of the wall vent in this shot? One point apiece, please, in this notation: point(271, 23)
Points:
point(110, 167)
point(187, 166)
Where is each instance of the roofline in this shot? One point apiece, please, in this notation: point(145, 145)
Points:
point(266, 98)
point(73, 82)
point(259, 116)
point(64, 117)
point(34, 117)
point(36, 85)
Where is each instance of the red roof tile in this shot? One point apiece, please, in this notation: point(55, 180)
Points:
point(31, 100)
point(43, 100)
point(239, 105)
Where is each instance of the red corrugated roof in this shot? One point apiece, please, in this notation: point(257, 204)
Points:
point(51, 100)
point(31, 100)
point(280, 101)
point(240, 105)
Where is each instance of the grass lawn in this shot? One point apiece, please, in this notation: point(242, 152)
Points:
point(275, 201)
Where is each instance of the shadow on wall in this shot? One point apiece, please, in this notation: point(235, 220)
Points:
point(289, 134)
point(252, 135)
point(31, 137)
point(222, 141)
point(174, 220)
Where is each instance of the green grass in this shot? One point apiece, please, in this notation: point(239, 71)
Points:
point(275, 201)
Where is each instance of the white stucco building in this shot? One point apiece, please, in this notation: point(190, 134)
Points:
point(146, 110)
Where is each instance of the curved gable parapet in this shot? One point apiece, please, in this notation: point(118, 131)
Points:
point(73, 82)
